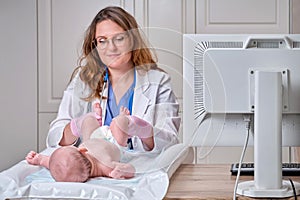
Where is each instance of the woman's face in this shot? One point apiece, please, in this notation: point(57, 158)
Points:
point(113, 44)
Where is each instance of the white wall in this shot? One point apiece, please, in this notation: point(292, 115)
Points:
point(18, 80)
point(295, 19)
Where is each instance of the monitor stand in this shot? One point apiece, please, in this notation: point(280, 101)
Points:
point(267, 140)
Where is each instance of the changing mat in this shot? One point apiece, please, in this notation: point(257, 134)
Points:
point(24, 181)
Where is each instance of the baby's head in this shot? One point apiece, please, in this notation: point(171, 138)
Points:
point(68, 164)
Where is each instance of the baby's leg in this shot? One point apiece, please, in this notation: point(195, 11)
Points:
point(34, 158)
point(122, 170)
point(97, 109)
point(91, 123)
point(119, 128)
point(88, 126)
point(77, 124)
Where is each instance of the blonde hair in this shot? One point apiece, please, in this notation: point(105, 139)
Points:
point(93, 71)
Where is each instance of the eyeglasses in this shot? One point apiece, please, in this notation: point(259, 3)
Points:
point(118, 40)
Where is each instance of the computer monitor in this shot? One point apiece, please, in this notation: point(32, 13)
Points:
point(229, 78)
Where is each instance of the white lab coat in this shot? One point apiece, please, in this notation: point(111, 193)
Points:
point(153, 101)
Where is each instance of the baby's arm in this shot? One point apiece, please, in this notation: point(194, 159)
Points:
point(119, 125)
point(34, 158)
point(122, 170)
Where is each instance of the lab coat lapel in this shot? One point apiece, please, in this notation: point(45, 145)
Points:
point(140, 101)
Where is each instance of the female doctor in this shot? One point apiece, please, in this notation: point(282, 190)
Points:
point(117, 69)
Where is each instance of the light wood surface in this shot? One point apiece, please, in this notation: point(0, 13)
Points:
point(206, 182)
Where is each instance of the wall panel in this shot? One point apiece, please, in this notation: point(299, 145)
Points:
point(242, 16)
point(61, 26)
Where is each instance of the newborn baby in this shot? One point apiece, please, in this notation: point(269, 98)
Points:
point(97, 155)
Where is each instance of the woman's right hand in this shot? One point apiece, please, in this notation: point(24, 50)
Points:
point(76, 123)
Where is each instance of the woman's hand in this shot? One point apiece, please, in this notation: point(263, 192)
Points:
point(76, 123)
point(73, 130)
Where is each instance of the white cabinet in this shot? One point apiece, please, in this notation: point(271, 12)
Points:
point(44, 123)
point(18, 80)
point(242, 16)
point(61, 27)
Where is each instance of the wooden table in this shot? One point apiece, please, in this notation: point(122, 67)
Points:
point(206, 182)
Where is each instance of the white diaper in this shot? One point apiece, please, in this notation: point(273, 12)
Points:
point(104, 132)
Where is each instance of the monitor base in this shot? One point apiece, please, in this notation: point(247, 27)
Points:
point(247, 188)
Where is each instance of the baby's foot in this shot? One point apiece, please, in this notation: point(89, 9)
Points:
point(124, 111)
point(97, 109)
point(98, 112)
